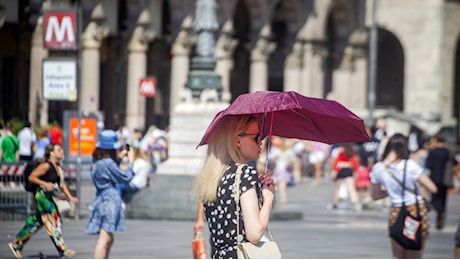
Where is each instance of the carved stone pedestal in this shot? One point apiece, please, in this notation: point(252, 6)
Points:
point(170, 195)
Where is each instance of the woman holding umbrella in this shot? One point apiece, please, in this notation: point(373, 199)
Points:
point(234, 142)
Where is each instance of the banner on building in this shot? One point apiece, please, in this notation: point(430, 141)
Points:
point(147, 87)
point(60, 79)
point(60, 30)
point(88, 136)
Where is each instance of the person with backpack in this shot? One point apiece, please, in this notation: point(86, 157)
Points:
point(49, 182)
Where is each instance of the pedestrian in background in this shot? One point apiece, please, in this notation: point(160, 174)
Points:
point(234, 142)
point(27, 143)
point(50, 182)
point(9, 147)
point(436, 162)
point(55, 133)
point(107, 216)
point(142, 167)
point(395, 162)
point(42, 142)
point(283, 158)
point(345, 167)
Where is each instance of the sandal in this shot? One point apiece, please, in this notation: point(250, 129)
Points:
point(16, 253)
point(69, 253)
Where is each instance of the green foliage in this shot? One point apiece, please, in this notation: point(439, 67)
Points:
point(17, 125)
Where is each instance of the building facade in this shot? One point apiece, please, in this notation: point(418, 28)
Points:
point(320, 48)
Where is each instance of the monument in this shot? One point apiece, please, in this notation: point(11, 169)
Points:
point(170, 195)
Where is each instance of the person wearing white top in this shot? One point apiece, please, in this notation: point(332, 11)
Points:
point(385, 178)
point(142, 167)
point(27, 139)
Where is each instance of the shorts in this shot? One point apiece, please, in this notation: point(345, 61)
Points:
point(344, 173)
point(316, 157)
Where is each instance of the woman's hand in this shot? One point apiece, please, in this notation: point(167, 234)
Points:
point(268, 186)
point(49, 186)
point(74, 199)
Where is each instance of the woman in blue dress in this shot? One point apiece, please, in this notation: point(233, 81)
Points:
point(107, 216)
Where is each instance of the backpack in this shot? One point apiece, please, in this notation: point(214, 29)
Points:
point(30, 167)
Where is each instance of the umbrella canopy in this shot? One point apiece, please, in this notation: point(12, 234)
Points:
point(292, 115)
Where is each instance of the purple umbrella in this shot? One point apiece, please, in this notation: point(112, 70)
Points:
point(291, 115)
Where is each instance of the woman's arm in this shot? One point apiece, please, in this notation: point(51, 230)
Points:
point(255, 218)
point(199, 223)
point(65, 189)
point(426, 182)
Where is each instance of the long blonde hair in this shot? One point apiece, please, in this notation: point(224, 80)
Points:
point(221, 151)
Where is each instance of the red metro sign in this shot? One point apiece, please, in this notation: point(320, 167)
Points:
point(60, 30)
point(147, 87)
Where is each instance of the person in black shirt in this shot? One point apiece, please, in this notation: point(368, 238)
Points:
point(436, 162)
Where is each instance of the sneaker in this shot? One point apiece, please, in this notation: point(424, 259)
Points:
point(16, 253)
point(356, 207)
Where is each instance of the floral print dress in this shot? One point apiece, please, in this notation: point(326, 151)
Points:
point(221, 214)
point(107, 213)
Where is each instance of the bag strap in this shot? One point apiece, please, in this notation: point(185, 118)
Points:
point(404, 187)
point(11, 138)
point(236, 192)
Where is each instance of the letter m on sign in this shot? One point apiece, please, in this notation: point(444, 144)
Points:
point(60, 30)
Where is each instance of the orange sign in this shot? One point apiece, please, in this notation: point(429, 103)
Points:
point(147, 87)
point(88, 136)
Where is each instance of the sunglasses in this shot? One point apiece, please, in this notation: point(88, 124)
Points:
point(256, 136)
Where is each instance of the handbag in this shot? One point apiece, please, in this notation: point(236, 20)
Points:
point(247, 250)
point(63, 206)
point(198, 246)
point(406, 230)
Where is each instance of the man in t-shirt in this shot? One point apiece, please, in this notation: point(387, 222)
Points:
point(55, 133)
point(9, 148)
point(436, 162)
point(27, 140)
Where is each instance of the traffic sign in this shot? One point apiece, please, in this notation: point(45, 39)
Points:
point(147, 87)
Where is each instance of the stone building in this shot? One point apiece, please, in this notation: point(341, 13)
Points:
point(319, 48)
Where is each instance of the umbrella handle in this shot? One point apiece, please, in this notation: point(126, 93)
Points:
point(269, 142)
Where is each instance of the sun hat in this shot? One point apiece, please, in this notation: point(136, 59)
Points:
point(108, 140)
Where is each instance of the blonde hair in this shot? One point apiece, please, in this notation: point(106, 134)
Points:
point(221, 151)
point(139, 153)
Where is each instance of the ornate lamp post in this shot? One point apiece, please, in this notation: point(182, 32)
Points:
point(202, 75)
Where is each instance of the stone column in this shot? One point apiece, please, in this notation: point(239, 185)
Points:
point(312, 73)
point(343, 88)
point(38, 107)
point(258, 77)
point(137, 69)
point(91, 42)
point(180, 63)
point(350, 85)
point(293, 68)
point(224, 50)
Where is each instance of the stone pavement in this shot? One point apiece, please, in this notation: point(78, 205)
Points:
point(320, 233)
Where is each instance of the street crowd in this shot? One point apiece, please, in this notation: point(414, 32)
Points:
point(290, 161)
